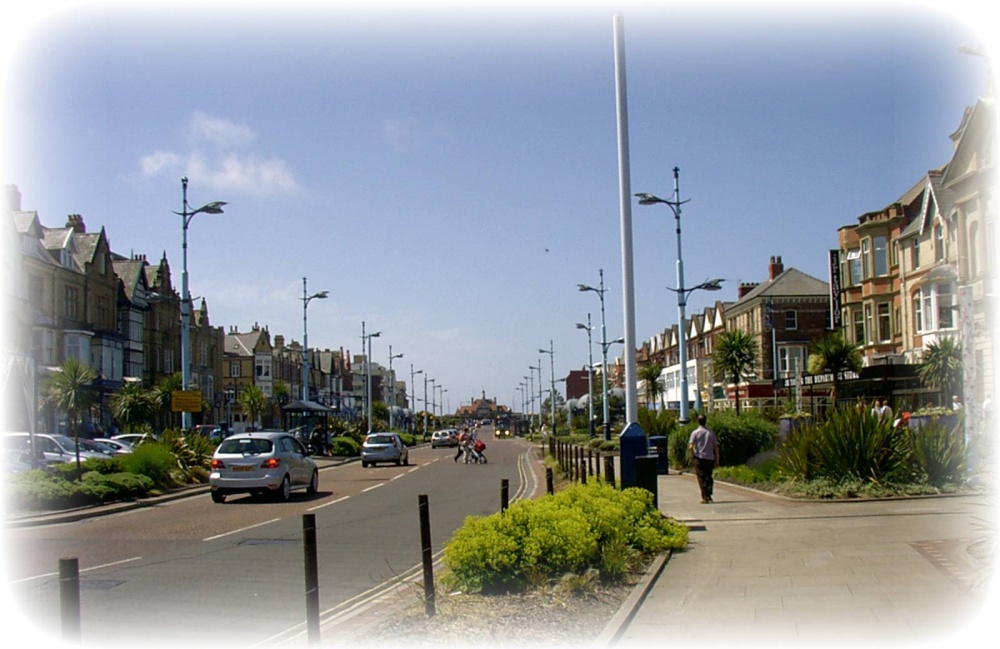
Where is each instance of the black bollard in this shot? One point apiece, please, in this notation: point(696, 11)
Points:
point(312, 577)
point(583, 468)
point(646, 476)
point(504, 495)
point(428, 554)
point(69, 598)
point(549, 486)
point(609, 470)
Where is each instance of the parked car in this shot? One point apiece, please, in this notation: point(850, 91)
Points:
point(273, 463)
point(384, 447)
point(447, 438)
point(133, 439)
point(54, 447)
point(119, 446)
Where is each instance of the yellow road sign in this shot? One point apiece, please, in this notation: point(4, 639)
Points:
point(185, 401)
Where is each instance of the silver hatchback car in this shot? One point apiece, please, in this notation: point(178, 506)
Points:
point(384, 447)
point(262, 463)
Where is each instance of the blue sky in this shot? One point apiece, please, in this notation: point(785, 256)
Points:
point(450, 176)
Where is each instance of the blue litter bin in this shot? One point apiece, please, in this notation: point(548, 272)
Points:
point(658, 447)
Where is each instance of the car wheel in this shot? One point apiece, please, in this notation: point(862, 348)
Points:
point(399, 461)
point(218, 496)
point(313, 484)
point(364, 465)
point(406, 460)
point(285, 490)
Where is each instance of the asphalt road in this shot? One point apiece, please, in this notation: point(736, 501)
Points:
point(195, 572)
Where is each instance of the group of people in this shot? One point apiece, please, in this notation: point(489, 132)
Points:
point(470, 446)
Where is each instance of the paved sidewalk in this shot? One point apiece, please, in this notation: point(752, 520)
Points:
point(764, 570)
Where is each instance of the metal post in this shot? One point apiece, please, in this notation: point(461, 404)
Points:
point(312, 577)
point(185, 307)
point(504, 494)
point(427, 554)
point(69, 598)
point(549, 484)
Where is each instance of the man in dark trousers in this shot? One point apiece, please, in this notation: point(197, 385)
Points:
point(704, 447)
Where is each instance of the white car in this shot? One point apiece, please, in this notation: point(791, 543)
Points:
point(270, 462)
point(384, 447)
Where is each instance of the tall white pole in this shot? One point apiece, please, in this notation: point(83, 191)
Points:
point(185, 308)
point(305, 343)
point(624, 183)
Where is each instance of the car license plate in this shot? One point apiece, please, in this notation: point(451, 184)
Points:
point(242, 468)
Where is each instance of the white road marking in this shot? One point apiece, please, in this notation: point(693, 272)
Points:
point(332, 502)
point(376, 486)
point(242, 529)
point(56, 574)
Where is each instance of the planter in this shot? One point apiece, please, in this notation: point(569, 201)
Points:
point(949, 421)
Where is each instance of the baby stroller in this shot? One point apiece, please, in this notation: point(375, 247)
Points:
point(477, 452)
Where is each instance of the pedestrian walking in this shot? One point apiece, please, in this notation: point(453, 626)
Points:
point(704, 446)
point(463, 442)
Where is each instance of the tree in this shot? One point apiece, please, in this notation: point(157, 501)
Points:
point(71, 389)
point(836, 355)
point(163, 395)
point(654, 387)
point(734, 358)
point(942, 365)
point(133, 405)
point(252, 401)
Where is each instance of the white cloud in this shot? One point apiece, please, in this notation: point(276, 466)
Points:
point(214, 160)
point(219, 132)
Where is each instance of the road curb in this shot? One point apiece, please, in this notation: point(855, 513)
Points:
point(615, 627)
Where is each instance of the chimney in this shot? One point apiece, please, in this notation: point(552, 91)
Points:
point(279, 342)
point(746, 287)
point(12, 199)
point(775, 267)
point(75, 221)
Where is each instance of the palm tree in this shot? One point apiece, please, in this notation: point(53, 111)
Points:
point(133, 405)
point(252, 402)
point(942, 365)
point(734, 358)
point(836, 355)
point(654, 388)
point(162, 395)
point(71, 389)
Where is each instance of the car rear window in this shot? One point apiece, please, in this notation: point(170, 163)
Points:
point(246, 446)
point(380, 439)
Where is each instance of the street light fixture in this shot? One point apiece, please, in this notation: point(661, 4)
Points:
point(713, 285)
point(392, 387)
point(322, 295)
point(368, 369)
point(413, 391)
point(552, 375)
point(186, 215)
point(533, 369)
point(604, 355)
point(590, 375)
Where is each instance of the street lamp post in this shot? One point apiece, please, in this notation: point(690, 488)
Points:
point(531, 373)
point(434, 412)
point(682, 297)
point(413, 391)
point(392, 387)
point(368, 369)
point(590, 375)
point(443, 390)
point(186, 215)
point(604, 355)
point(305, 336)
point(552, 375)
point(675, 207)
point(425, 405)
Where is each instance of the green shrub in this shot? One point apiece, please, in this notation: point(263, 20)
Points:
point(155, 461)
point(119, 485)
point(740, 438)
point(937, 452)
point(850, 444)
point(345, 446)
point(677, 448)
point(657, 422)
point(408, 439)
point(580, 528)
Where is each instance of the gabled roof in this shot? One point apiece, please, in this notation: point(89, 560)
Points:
point(132, 274)
point(977, 122)
point(246, 344)
point(790, 283)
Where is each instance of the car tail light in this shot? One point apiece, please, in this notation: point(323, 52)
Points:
point(272, 463)
point(218, 464)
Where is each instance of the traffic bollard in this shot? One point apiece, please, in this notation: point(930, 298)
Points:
point(312, 577)
point(69, 598)
point(427, 554)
